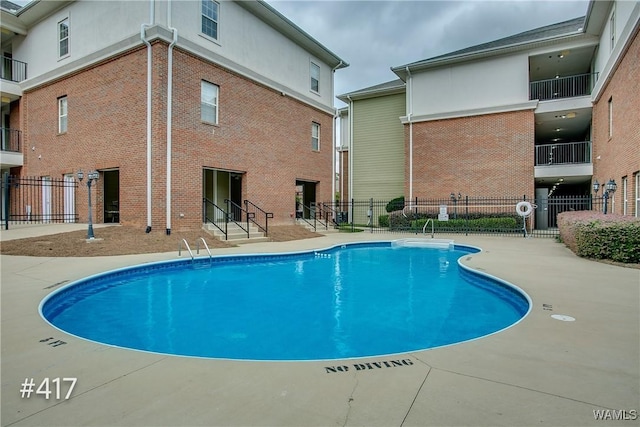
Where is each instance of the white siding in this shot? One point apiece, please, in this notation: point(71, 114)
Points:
point(243, 39)
point(476, 85)
point(623, 11)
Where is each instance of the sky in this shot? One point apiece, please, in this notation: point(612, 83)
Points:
point(373, 36)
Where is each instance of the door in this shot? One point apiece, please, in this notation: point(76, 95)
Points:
point(46, 199)
point(542, 211)
point(111, 191)
point(218, 187)
point(69, 198)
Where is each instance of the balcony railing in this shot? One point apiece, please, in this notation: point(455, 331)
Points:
point(11, 139)
point(563, 154)
point(562, 87)
point(13, 70)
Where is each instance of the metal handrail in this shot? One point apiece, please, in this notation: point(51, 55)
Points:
point(424, 229)
point(564, 153)
point(332, 212)
point(231, 218)
point(562, 87)
point(13, 70)
point(187, 246)
point(206, 246)
point(206, 202)
point(305, 220)
point(267, 215)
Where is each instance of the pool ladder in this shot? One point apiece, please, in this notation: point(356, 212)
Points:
point(186, 245)
point(424, 229)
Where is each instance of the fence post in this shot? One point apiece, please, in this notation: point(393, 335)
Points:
point(5, 204)
point(370, 215)
point(466, 214)
point(352, 213)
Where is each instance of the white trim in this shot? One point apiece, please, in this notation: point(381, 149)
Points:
point(314, 126)
point(625, 197)
point(637, 210)
point(61, 115)
point(217, 22)
point(67, 38)
point(529, 105)
point(311, 78)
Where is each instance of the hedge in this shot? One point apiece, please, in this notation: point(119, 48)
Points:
point(472, 221)
point(595, 235)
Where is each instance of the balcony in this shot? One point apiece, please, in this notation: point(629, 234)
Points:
point(564, 159)
point(13, 70)
point(11, 139)
point(562, 87)
point(10, 155)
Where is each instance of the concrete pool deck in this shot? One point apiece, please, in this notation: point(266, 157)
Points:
point(540, 372)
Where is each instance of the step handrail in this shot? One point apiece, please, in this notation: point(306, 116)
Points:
point(230, 218)
point(218, 209)
point(187, 246)
point(267, 216)
point(206, 247)
point(424, 229)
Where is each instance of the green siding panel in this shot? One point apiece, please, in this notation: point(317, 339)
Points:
point(378, 147)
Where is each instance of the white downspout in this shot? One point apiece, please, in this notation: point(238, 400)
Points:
point(410, 102)
point(351, 139)
point(335, 117)
point(169, 112)
point(143, 27)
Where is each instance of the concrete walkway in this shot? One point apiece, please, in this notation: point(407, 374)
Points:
point(540, 372)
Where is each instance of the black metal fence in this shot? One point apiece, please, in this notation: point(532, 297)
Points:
point(38, 200)
point(457, 214)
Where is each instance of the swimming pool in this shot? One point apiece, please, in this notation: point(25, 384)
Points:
point(353, 300)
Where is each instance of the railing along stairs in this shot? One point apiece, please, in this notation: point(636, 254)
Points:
point(252, 211)
point(208, 207)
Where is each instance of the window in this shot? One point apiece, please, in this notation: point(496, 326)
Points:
point(62, 114)
point(63, 38)
point(315, 77)
point(610, 117)
point(210, 10)
point(315, 137)
point(625, 201)
point(637, 176)
point(209, 103)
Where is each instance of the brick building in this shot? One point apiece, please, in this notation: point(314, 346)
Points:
point(185, 109)
point(543, 113)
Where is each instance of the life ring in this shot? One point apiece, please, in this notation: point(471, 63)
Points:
point(524, 209)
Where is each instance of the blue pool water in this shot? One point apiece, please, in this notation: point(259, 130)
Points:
point(349, 301)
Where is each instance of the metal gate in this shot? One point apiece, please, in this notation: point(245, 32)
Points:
point(37, 200)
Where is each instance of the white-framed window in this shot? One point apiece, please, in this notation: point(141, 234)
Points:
point(209, 102)
point(315, 136)
point(625, 200)
point(63, 38)
point(637, 176)
point(612, 29)
point(62, 114)
point(210, 18)
point(314, 72)
point(610, 109)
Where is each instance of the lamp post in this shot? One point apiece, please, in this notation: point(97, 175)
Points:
point(609, 188)
point(91, 176)
point(452, 196)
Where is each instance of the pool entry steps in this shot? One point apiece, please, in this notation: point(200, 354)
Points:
point(424, 243)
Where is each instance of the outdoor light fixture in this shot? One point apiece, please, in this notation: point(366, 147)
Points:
point(91, 176)
point(609, 188)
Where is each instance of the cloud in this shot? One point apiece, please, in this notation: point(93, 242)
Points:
point(376, 35)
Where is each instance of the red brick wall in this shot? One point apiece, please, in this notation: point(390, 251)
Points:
point(488, 156)
point(260, 132)
point(619, 155)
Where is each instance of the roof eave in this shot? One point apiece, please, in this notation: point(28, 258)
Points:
point(364, 94)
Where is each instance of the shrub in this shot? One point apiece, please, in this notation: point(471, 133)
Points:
point(383, 221)
point(395, 204)
point(594, 235)
point(479, 224)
